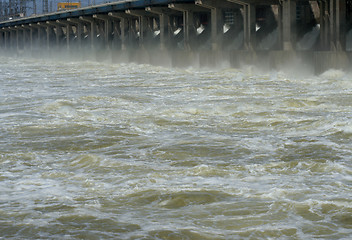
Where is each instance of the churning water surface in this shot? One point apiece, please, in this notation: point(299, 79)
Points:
point(95, 150)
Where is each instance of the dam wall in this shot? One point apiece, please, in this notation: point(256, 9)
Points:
point(267, 33)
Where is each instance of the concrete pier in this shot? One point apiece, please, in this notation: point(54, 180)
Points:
point(264, 32)
point(288, 26)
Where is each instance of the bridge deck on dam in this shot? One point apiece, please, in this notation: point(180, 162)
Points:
point(265, 32)
point(91, 10)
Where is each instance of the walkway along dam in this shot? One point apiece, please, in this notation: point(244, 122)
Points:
point(270, 33)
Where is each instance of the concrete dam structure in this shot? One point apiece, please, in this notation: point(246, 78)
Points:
point(269, 33)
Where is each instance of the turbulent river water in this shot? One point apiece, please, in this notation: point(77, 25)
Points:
point(128, 151)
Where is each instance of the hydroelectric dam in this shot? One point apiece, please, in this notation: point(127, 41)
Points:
point(269, 33)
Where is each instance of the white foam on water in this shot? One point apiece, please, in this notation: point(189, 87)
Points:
point(226, 153)
point(333, 74)
point(309, 39)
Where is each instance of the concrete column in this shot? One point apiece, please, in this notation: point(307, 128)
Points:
point(280, 26)
point(47, 32)
point(68, 35)
point(6, 39)
point(12, 42)
point(117, 33)
point(188, 23)
point(9, 40)
point(58, 32)
point(1, 39)
point(124, 20)
point(31, 38)
point(93, 33)
point(25, 36)
point(58, 35)
point(79, 30)
point(27, 39)
point(332, 24)
point(107, 29)
point(132, 30)
point(44, 33)
point(289, 24)
point(189, 29)
point(17, 42)
point(164, 24)
point(324, 25)
point(249, 26)
point(123, 25)
point(36, 41)
point(69, 32)
point(164, 30)
point(41, 35)
point(145, 30)
point(337, 24)
point(217, 19)
point(341, 25)
point(217, 24)
point(92, 30)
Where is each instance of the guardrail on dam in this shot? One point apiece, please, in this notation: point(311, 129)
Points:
point(265, 32)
